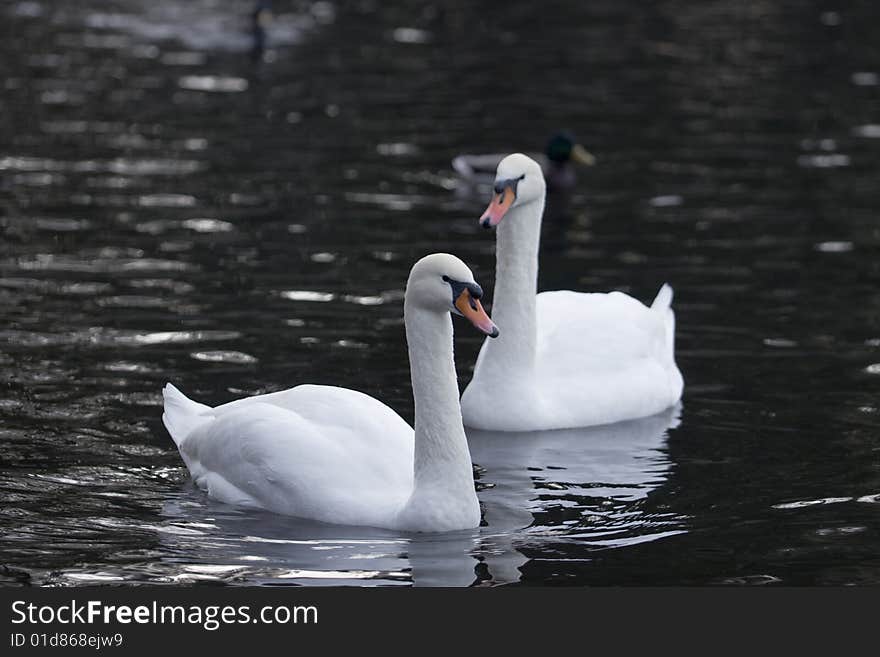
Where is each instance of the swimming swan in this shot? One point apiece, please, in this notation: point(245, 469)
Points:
point(339, 456)
point(566, 359)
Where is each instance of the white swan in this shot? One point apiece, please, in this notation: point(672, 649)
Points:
point(339, 456)
point(566, 359)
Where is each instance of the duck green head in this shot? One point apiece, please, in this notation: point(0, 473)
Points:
point(563, 147)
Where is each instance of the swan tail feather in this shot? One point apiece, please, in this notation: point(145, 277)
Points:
point(182, 414)
point(663, 304)
point(663, 300)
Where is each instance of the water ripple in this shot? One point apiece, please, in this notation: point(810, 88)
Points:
point(307, 295)
point(819, 502)
point(236, 357)
point(122, 166)
point(206, 225)
point(215, 83)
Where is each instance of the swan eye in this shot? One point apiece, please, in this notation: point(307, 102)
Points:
point(511, 183)
point(475, 292)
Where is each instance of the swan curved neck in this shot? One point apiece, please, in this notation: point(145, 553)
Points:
point(516, 285)
point(442, 463)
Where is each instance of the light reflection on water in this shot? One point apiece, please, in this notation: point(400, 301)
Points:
point(168, 211)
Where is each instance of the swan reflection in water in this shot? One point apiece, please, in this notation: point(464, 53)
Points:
point(576, 485)
point(583, 486)
point(206, 540)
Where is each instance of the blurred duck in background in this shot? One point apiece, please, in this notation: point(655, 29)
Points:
point(557, 162)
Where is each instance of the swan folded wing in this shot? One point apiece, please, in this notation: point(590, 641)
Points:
point(602, 357)
point(331, 462)
point(332, 406)
point(589, 332)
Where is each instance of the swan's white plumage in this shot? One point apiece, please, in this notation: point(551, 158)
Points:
point(320, 452)
point(599, 359)
point(337, 455)
point(565, 359)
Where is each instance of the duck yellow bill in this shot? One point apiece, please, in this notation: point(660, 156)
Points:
point(472, 309)
point(582, 156)
point(499, 206)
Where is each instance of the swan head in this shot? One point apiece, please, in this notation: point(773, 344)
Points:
point(519, 180)
point(442, 283)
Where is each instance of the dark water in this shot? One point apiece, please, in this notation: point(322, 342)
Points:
point(170, 210)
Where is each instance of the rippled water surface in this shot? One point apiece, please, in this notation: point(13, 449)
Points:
point(171, 209)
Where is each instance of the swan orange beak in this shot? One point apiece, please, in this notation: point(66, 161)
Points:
point(472, 309)
point(501, 203)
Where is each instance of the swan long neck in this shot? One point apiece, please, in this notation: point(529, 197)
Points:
point(516, 285)
point(442, 458)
